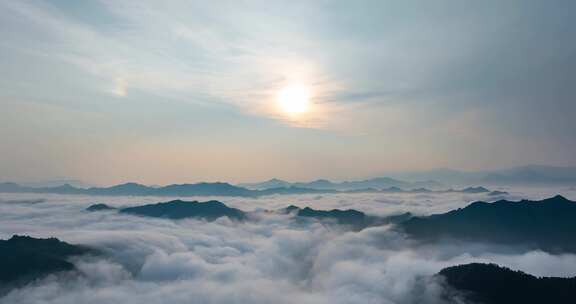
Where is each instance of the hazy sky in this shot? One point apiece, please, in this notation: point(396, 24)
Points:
point(182, 91)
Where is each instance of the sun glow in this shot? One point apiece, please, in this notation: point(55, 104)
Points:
point(294, 99)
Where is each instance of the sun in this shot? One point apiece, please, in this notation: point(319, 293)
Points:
point(294, 99)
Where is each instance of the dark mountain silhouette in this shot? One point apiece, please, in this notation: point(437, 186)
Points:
point(99, 207)
point(354, 218)
point(393, 189)
point(24, 259)
point(497, 193)
point(475, 190)
point(548, 224)
point(493, 284)
point(350, 217)
point(178, 209)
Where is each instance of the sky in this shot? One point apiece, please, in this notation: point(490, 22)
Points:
point(182, 91)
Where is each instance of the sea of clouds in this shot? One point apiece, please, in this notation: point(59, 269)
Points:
point(268, 259)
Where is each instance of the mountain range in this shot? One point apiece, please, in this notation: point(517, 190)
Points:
point(416, 181)
point(324, 184)
point(208, 189)
point(134, 189)
point(547, 225)
point(211, 210)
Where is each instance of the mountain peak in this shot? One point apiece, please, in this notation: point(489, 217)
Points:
point(478, 189)
point(179, 209)
point(557, 199)
point(275, 180)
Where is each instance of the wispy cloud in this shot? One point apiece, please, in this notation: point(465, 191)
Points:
point(418, 83)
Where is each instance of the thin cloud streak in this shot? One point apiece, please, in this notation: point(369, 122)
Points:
point(410, 85)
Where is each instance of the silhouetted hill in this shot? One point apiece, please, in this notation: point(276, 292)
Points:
point(493, 284)
point(475, 190)
point(393, 189)
point(99, 207)
point(548, 224)
point(497, 193)
point(357, 219)
point(24, 259)
point(344, 217)
point(178, 209)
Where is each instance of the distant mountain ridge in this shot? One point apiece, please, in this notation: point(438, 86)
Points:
point(134, 189)
point(324, 184)
point(211, 189)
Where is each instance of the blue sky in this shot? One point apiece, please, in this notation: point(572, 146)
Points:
point(182, 91)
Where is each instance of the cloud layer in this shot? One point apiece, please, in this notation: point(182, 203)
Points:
point(270, 258)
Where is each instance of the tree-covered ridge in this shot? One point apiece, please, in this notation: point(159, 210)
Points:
point(547, 224)
point(493, 284)
point(24, 259)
